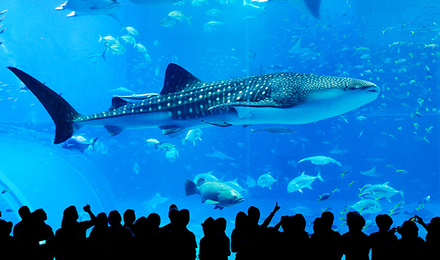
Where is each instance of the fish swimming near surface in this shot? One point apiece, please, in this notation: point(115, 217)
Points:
point(187, 102)
point(78, 143)
point(211, 192)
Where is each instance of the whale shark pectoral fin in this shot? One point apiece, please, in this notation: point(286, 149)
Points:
point(245, 112)
point(171, 129)
point(113, 130)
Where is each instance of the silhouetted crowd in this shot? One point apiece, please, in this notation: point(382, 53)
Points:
point(143, 238)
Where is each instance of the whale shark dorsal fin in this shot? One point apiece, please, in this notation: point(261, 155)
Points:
point(177, 79)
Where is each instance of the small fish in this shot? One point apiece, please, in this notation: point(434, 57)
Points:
point(1, 19)
point(164, 146)
point(5, 191)
point(193, 135)
point(324, 196)
point(432, 46)
point(4, 11)
point(131, 30)
point(152, 141)
point(198, 3)
point(129, 39)
point(136, 168)
point(110, 39)
point(168, 22)
point(347, 172)
point(426, 199)
point(400, 61)
point(179, 16)
point(2, 31)
point(266, 180)
point(275, 130)
point(117, 48)
point(9, 210)
point(212, 26)
point(250, 182)
point(147, 58)
point(141, 47)
point(353, 182)
point(172, 153)
point(78, 143)
point(213, 12)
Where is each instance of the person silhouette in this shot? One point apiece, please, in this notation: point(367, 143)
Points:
point(432, 237)
point(24, 234)
point(147, 243)
point(44, 235)
point(98, 238)
point(294, 237)
point(410, 246)
point(333, 246)
point(8, 244)
point(384, 241)
point(242, 242)
point(120, 239)
point(355, 244)
point(70, 239)
point(129, 219)
point(182, 242)
point(214, 245)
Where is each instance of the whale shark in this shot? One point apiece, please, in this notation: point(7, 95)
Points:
point(187, 102)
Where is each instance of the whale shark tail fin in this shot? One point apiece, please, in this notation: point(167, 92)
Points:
point(62, 113)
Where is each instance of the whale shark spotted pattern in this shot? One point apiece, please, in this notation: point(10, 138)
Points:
point(187, 102)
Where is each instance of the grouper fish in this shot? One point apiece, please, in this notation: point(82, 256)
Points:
point(214, 192)
point(187, 102)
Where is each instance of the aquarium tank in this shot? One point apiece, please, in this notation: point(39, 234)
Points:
point(163, 97)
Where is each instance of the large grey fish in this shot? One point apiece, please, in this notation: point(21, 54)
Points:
point(212, 192)
point(187, 102)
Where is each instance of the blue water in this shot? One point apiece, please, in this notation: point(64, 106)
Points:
point(391, 43)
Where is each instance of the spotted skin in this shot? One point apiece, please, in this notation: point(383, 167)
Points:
point(186, 102)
